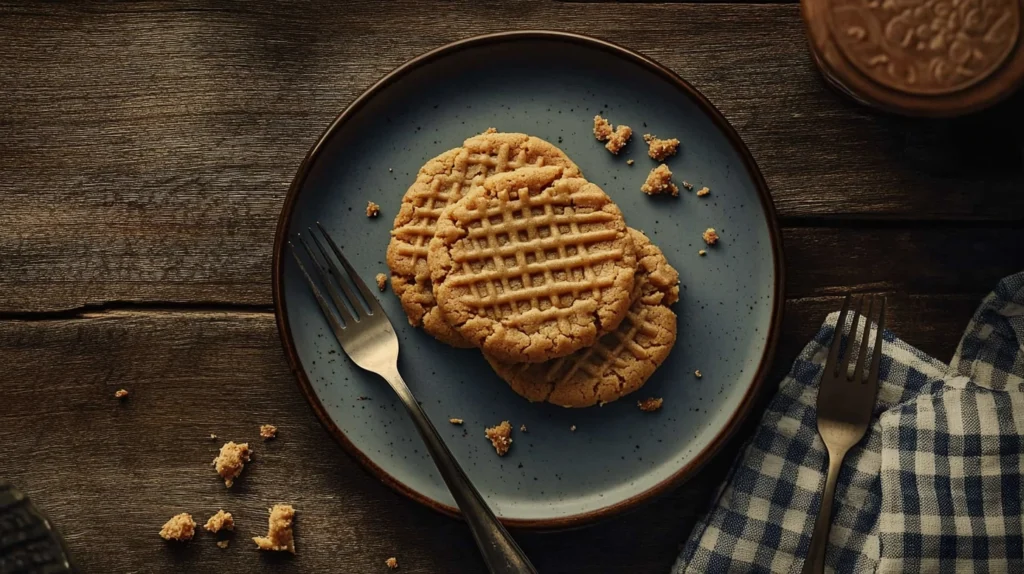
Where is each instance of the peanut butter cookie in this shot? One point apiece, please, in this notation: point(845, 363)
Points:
point(622, 361)
point(532, 265)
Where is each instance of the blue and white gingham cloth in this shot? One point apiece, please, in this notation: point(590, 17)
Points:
point(935, 486)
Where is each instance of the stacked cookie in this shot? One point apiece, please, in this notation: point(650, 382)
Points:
point(501, 244)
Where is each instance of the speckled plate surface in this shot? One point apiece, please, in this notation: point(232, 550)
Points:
point(550, 85)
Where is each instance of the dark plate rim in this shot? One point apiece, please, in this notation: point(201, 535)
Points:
point(753, 391)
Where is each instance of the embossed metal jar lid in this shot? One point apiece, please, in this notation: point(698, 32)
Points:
point(919, 57)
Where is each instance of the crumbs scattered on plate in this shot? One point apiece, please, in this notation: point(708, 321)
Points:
point(372, 209)
point(710, 236)
point(121, 393)
point(500, 436)
point(659, 182)
point(617, 138)
point(391, 563)
point(382, 281)
point(660, 149)
point(650, 405)
point(268, 432)
point(455, 421)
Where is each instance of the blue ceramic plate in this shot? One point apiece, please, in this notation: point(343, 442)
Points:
point(549, 85)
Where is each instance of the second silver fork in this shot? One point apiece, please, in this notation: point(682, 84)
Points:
point(845, 404)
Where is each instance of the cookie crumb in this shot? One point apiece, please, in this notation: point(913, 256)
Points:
point(223, 543)
point(522, 428)
point(702, 252)
point(121, 393)
point(382, 281)
point(231, 460)
point(660, 149)
point(268, 432)
point(213, 436)
point(710, 236)
point(697, 374)
point(703, 191)
point(455, 421)
point(279, 531)
point(629, 162)
point(180, 527)
point(500, 436)
point(391, 563)
point(619, 139)
point(659, 181)
point(372, 209)
point(572, 428)
point(602, 129)
point(220, 521)
point(688, 186)
point(650, 405)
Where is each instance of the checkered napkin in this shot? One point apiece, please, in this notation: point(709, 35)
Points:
point(935, 486)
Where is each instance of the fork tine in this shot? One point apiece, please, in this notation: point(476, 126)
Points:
point(325, 276)
point(876, 355)
point(324, 305)
point(339, 278)
point(858, 371)
point(851, 340)
point(371, 301)
point(837, 337)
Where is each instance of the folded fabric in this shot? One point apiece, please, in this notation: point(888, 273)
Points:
point(934, 486)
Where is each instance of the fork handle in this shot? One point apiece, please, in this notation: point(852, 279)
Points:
point(500, 552)
point(815, 562)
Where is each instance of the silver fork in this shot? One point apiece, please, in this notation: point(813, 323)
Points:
point(845, 403)
point(366, 335)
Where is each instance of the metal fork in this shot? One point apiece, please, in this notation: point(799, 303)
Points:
point(845, 403)
point(366, 335)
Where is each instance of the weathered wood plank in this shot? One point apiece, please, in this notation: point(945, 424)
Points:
point(147, 147)
point(110, 473)
point(66, 272)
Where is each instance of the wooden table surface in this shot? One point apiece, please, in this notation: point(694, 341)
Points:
point(146, 148)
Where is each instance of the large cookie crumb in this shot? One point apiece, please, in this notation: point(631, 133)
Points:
point(391, 563)
point(659, 181)
point(220, 521)
point(382, 281)
point(121, 393)
point(268, 432)
point(710, 236)
point(616, 138)
point(372, 209)
point(660, 149)
point(279, 532)
point(650, 405)
point(231, 460)
point(180, 527)
point(500, 436)
point(602, 129)
point(703, 191)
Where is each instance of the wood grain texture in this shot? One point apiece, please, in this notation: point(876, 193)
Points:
point(109, 473)
point(145, 151)
point(148, 146)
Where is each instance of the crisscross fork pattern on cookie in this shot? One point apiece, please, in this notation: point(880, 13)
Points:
point(443, 191)
point(529, 252)
point(599, 359)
